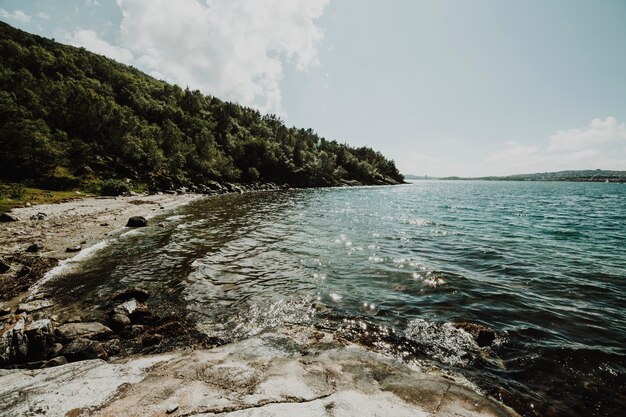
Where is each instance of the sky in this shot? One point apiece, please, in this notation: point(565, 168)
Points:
point(442, 87)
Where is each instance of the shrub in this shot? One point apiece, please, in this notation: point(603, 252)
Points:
point(114, 187)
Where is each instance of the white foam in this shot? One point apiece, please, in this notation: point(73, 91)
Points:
point(68, 265)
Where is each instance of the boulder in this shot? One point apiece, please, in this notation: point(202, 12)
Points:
point(35, 305)
point(13, 342)
point(135, 310)
point(35, 247)
point(138, 294)
point(137, 221)
point(38, 216)
point(40, 335)
point(83, 349)
point(6, 218)
point(88, 330)
point(73, 249)
point(56, 361)
point(119, 321)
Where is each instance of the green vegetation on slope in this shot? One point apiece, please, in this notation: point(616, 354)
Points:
point(68, 116)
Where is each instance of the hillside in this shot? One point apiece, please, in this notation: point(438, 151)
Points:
point(589, 175)
point(68, 116)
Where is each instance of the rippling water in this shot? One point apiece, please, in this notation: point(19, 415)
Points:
point(542, 264)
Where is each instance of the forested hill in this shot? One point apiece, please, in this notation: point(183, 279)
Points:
point(67, 115)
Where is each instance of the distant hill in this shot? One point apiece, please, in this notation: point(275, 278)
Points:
point(68, 115)
point(418, 177)
point(587, 175)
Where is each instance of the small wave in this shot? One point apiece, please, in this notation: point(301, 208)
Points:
point(68, 265)
point(443, 342)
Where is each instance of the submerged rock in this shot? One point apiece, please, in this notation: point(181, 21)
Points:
point(138, 294)
point(137, 221)
point(74, 249)
point(483, 335)
point(89, 330)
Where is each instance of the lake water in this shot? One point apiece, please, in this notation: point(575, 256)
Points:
point(542, 264)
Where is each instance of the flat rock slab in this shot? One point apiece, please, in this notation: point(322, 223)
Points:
point(31, 306)
point(274, 374)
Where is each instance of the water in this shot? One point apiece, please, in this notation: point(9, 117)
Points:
point(393, 268)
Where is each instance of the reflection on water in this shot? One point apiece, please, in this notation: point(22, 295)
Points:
point(542, 264)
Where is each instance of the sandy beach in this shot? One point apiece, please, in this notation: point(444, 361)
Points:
point(82, 222)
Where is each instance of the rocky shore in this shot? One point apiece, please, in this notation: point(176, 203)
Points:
point(104, 364)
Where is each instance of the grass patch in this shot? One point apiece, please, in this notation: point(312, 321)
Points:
point(16, 195)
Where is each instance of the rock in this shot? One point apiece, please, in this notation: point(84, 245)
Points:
point(73, 249)
point(74, 319)
point(119, 321)
point(35, 247)
point(137, 293)
point(4, 311)
point(56, 361)
point(112, 347)
point(82, 349)
point(151, 339)
point(137, 221)
point(54, 350)
point(4, 266)
point(35, 305)
point(483, 335)
point(133, 309)
point(104, 224)
point(38, 216)
point(40, 335)
point(6, 218)
point(13, 342)
point(88, 330)
point(260, 376)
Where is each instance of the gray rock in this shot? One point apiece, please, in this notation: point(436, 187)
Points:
point(137, 221)
point(56, 361)
point(82, 349)
point(6, 218)
point(88, 330)
point(13, 342)
point(35, 305)
point(38, 216)
point(35, 247)
point(133, 309)
point(260, 376)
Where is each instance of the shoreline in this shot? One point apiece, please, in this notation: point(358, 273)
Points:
point(81, 222)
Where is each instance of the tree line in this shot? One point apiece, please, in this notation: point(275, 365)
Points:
point(67, 114)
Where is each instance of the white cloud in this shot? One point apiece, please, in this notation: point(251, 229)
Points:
point(16, 15)
point(233, 49)
point(43, 15)
point(598, 132)
point(599, 145)
point(90, 40)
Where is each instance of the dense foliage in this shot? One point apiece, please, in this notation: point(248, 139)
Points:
point(69, 114)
